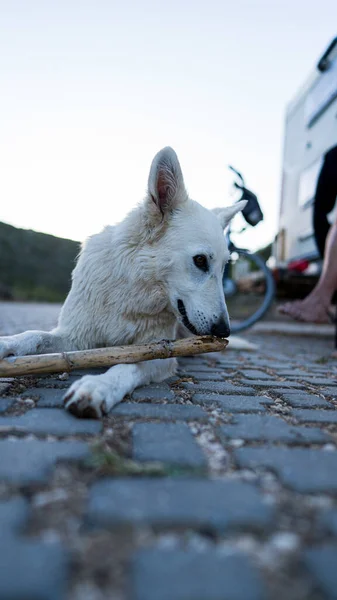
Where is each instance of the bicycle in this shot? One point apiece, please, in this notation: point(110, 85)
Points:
point(247, 282)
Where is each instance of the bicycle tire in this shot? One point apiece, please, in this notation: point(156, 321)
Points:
point(268, 295)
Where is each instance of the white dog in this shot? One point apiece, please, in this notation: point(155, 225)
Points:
point(134, 283)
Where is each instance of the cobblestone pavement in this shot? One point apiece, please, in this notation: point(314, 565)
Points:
point(219, 484)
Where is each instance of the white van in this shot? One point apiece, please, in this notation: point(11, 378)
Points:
point(310, 130)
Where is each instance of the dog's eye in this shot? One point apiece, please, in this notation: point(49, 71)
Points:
point(200, 261)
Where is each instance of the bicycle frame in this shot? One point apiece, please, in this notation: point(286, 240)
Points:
point(229, 284)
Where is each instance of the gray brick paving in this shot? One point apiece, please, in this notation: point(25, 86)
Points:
point(154, 392)
point(217, 387)
point(266, 362)
point(166, 412)
point(315, 416)
point(328, 520)
point(329, 391)
point(320, 381)
point(302, 469)
point(50, 421)
point(272, 384)
point(270, 428)
point(28, 569)
point(170, 443)
point(211, 376)
point(218, 505)
point(13, 515)
point(181, 575)
point(300, 400)
point(234, 403)
point(298, 373)
point(193, 523)
point(31, 461)
point(47, 397)
point(5, 404)
point(202, 369)
point(54, 382)
point(31, 570)
point(279, 391)
point(4, 387)
point(321, 563)
point(254, 374)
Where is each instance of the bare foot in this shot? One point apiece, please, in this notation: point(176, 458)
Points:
point(309, 310)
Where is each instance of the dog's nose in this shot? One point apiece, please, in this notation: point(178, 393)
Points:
point(221, 328)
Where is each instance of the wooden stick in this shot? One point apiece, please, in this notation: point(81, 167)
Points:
point(106, 357)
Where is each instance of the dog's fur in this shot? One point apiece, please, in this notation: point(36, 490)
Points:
point(127, 284)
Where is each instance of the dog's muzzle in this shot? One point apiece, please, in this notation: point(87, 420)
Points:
point(187, 323)
point(221, 329)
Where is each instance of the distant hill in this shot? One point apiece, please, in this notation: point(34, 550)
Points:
point(35, 266)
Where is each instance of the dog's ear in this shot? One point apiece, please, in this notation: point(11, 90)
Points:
point(225, 215)
point(166, 183)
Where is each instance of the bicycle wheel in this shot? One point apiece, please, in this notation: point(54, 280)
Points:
point(249, 289)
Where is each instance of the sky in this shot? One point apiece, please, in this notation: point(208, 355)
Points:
point(91, 90)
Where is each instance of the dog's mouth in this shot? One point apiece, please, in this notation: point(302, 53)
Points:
point(186, 322)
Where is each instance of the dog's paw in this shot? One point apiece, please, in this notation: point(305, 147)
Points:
point(88, 398)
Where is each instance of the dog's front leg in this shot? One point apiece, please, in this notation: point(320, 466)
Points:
point(92, 396)
point(34, 342)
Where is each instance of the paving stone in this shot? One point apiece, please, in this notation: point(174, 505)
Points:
point(254, 374)
point(234, 403)
point(195, 358)
point(226, 365)
point(188, 575)
point(30, 461)
point(219, 505)
point(171, 443)
point(218, 376)
point(42, 569)
point(50, 421)
point(4, 387)
point(47, 397)
point(330, 391)
point(5, 403)
point(291, 373)
point(320, 381)
point(153, 392)
point(328, 520)
point(270, 364)
point(299, 400)
point(284, 390)
point(13, 516)
point(55, 382)
point(304, 469)
point(217, 387)
point(321, 370)
point(31, 570)
point(202, 369)
point(171, 380)
point(166, 412)
point(270, 428)
point(315, 416)
point(272, 384)
point(321, 563)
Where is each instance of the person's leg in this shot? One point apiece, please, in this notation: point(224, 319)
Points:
point(314, 308)
point(325, 198)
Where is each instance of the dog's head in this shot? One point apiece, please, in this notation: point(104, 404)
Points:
point(191, 252)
